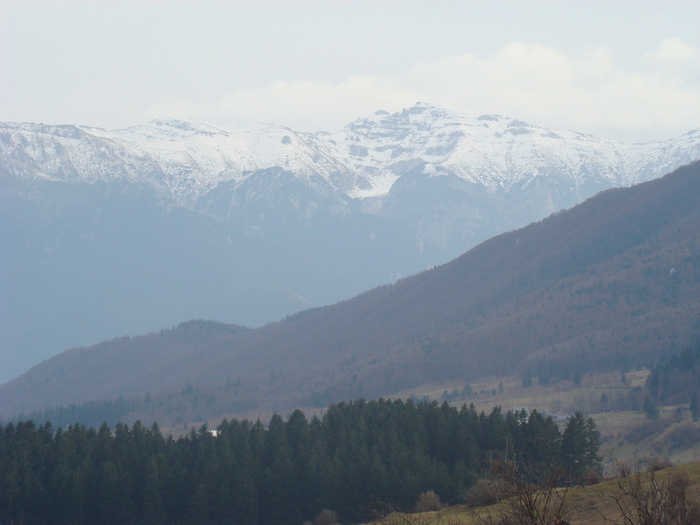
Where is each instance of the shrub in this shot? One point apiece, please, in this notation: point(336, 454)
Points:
point(683, 436)
point(326, 517)
point(486, 491)
point(656, 463)
point(428, 501)
point(526, 503)
point(655, 498)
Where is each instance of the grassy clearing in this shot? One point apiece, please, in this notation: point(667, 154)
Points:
point(563, 394)
point(591, 505)
point(624, 433)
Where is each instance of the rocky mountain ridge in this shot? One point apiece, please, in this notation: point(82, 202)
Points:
point(185, 159)
point(107, 233)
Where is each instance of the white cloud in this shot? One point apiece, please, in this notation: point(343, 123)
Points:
point(674, 61)
point(317, 105)
point(306, 106)
point(590, 93)
point(673, 53)
point(587, 93)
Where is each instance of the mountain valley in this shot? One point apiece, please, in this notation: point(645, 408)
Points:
point(607, 285)
point(108, 233)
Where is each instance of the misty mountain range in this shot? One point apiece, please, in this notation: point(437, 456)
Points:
point(611, 284)
point(106, 233)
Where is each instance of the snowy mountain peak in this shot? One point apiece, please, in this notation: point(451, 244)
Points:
point(160, 129)
point(185, 159)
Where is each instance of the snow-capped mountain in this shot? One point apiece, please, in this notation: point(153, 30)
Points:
point(186, 159)
point(159, 223)
point(376, 164)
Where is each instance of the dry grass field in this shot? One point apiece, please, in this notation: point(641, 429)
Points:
point(624, 433)
point(591, 505)
point(628, 438)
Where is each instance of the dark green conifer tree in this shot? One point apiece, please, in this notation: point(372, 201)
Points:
point(579, 448)
point(695, 407)
point(651, 409)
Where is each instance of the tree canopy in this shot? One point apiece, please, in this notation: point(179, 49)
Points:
point(285, 472)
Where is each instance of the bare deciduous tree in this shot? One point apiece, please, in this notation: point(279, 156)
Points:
point(524, 502)
point(654, 497)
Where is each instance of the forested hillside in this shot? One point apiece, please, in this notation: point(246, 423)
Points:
point(613, 283)
point(357, 455)
point(678, 379)
point(122, 232)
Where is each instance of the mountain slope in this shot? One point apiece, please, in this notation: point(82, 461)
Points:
point(611, 283)
point(112, 232)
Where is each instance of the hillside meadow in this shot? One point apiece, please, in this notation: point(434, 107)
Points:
point(590, 505)
point(624, 432)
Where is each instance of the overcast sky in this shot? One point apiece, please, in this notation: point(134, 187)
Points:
point(627, 71)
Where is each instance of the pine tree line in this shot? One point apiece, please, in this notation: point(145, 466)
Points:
point(90, 413)
point(358, 453)
point(678, 379)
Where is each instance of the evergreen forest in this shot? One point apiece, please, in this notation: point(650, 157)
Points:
point(678, 379)
point(355, 457)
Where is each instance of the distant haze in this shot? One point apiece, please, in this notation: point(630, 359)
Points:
point(628, 71)
point(588, 289)
point(109, 233)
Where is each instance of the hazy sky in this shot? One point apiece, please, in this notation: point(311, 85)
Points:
point(624, 70)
